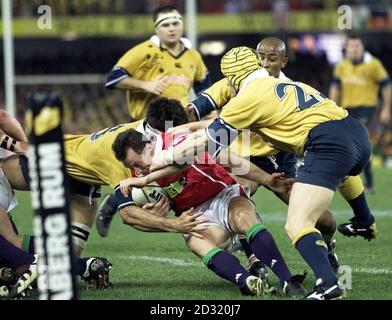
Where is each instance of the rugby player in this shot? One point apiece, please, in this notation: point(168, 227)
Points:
point(293, 117)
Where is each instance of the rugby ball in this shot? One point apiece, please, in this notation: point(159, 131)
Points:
point(149, 194)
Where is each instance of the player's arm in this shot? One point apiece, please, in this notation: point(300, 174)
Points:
point(145, 220)
point(15, 139)
point(191, 126)
point(140, 182)
point(218, 135)
point(122, 75)
point(186, 223)
point(202, 78)
point(11, 127)
point(385, 114)
point(385, 87)
point(335, 86)
point(119, 78)
point(184, 153)
point(246, 169)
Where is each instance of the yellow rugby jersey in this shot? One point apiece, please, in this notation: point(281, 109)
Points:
point(283, 112)
point(220, 93)
point(148, 61)
point(359, 83)
point(252, 145)
point(89, 157)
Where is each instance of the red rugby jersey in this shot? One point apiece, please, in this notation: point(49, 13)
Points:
point(200, 182)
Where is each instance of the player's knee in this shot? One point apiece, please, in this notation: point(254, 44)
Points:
point(292, 227)
point(244, 219)
point(288, 228)
point(200, 247)
point(326, 224)
point(80, 233)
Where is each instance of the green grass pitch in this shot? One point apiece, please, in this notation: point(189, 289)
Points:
point(159, 266)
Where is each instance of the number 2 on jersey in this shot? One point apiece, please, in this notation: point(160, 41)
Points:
point(304, 100)
point(97, 135)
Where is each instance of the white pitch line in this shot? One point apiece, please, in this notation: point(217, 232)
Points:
point(172, 261)
point(372, 270)
point(184, 263)
point(281, 215)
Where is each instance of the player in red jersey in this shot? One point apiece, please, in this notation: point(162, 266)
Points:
point(223, 205)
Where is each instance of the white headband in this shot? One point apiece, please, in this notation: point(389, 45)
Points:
point(164, 17)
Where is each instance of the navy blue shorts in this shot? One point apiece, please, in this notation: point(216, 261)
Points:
point(334, 149)
point(365, 114)
point(84, 188)
point(76, 186)
point(281, 162)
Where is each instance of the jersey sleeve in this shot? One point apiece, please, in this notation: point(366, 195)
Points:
point(221, 135)
point(202, 79)
point(380, 74)
point(121, 200)
point(336, 76)
point(213, 98)
point(115, 75)
point(125, 67)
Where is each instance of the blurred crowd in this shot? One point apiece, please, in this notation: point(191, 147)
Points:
point(75, 7)
point(90, 107)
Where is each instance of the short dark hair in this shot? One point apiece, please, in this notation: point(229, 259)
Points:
point(162, 9)
point(128, 139)
point(163, 109)
point(354, 36)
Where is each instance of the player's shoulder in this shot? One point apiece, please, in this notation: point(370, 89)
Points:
point(375, 61)
point(142, 47)
point(134, 124)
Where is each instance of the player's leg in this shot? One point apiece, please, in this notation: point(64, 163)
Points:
point(326, 224)
point(369, 114)
point(23, 264)
point(83, 214)
point(7, 230)
point(15, 168)
point(365, 115)
point(307, 203)
point(243, 219)
point(8, 200)
point(105, 213)
point(363, 222)
point(286, 162)
point(255, 266)
point(83, 207)
point(221, 262)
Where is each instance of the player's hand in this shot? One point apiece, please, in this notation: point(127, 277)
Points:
point(189, 222)
point(385, 116)
point(191, 113)
point(156, 86)
point(279, 183)
point(160, 209)
point(127, 184)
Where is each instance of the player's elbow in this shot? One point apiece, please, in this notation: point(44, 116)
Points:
point(126, 216)
point(4, 116)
